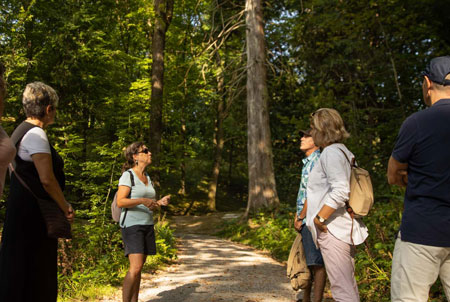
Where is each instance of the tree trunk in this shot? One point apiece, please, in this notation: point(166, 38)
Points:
point(182, 190)
point(262, 188)
point(163, 16)
point(218, 137)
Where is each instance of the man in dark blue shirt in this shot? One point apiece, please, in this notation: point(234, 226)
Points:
point(421, 162)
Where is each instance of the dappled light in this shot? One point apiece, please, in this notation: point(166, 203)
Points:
point(212, 269)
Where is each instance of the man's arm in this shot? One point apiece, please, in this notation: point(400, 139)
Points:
point(397, 173)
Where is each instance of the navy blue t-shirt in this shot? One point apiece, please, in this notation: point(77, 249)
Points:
point(424, 144)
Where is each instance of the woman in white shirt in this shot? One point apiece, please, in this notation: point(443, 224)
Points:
point(332, 228)
point(28, 257)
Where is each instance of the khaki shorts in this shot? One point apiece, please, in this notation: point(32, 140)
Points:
point(415, 268)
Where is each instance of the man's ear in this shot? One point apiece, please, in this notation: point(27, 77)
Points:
point(428, 83)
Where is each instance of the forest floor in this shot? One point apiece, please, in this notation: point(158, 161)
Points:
point(210, 269)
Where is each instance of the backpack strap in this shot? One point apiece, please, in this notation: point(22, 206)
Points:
point(352, 163)
point(129, 195)
point(347, 205)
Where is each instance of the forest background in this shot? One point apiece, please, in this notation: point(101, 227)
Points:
point(363, 58)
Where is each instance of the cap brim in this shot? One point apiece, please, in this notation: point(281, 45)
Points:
point(305, 132)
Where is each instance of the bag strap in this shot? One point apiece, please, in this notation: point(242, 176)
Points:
point(12, 170)
point(352, 162)
point(129, 195)
point(347, 205)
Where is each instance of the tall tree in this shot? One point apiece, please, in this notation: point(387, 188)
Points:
point(163, 17)
point(262, 188)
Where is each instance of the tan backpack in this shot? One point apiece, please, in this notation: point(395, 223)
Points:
point(297, 270)
point(361, 190)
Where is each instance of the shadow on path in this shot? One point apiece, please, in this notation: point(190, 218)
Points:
point(211, 269)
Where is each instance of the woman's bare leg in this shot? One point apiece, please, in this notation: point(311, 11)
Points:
point(131, 283)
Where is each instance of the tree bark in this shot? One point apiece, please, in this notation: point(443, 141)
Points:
point(182, 190)
point(218, 136)
point(163, 16)
point(262, 187)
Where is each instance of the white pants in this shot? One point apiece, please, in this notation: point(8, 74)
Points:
point(415, 268)
point(340, 266)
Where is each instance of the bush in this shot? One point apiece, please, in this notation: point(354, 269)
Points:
point(91, 263)
point(274, 232)
point(269, 231)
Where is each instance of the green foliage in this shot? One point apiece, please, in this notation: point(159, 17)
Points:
point(271, 232)
point(274, 232)
point(95, 259)
point(362, 58)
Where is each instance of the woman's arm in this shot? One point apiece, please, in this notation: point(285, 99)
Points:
point(337, 169)
point(44, 167)
point(124, 202)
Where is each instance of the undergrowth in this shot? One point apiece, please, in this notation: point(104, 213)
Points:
point(92, 264)
point(274, 232)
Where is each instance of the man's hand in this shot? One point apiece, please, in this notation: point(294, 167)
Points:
point(298, 224)
point(397, 173)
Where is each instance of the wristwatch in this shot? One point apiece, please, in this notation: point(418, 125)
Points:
point(321, 220)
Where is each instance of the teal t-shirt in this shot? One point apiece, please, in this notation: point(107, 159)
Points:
point(140, 214)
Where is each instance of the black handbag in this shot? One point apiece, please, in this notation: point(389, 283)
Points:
point(55, 221)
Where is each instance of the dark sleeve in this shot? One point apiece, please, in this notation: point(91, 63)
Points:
point(406, 140)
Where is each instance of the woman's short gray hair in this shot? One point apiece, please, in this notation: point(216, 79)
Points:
point(36, 97)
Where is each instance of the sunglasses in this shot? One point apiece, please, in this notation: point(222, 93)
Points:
point(145, 151)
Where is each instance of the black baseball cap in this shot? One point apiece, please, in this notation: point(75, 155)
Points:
point(438, 69)
point(306, 132)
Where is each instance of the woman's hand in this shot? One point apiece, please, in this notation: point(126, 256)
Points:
point(150, 203)
point(164, 201)
point(321, 226)
point(70, 214)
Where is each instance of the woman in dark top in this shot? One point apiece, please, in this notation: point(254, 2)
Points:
point(28, 257)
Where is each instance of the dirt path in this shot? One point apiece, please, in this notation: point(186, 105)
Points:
point(211, 269)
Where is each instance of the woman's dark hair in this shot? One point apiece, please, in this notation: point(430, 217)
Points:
point(128, 153)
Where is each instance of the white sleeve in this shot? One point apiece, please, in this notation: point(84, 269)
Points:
point(338, 172)
point(34, 141)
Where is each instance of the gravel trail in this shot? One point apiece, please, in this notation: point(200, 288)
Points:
point(210, 269)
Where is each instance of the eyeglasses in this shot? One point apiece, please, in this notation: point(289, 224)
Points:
point(145, 151)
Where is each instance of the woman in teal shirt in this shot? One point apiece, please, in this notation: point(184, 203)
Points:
point(136, 197)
